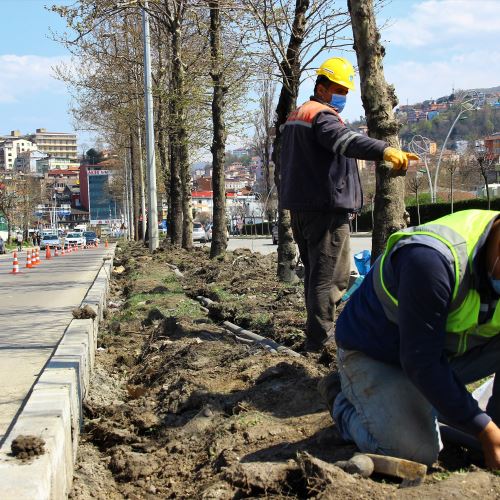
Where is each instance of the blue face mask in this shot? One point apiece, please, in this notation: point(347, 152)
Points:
point(338, 102)
point(495, 284)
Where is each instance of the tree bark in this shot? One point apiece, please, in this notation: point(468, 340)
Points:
point(219, 240)
point(187, 210)
point(176, 191)
point(379, 101)
point(286, 103)
point(134, 178)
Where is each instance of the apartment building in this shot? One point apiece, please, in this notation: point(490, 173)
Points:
point(57, 144)
point(11, 147)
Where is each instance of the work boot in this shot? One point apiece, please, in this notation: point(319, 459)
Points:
point(313, 345)
point(329, 387)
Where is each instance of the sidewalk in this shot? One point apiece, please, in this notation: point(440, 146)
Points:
point(45, 359)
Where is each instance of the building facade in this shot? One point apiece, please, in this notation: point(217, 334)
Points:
point(96, 196)
point(58, 144)
point(11, 148)
point(49, 163)
point(26, 162)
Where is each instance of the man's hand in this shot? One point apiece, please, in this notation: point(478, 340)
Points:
point(490, 441)
point(398, 158)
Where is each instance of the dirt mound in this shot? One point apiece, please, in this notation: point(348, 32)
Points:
point(179, 409)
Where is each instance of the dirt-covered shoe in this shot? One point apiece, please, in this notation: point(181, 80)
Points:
point(311, 346)
point(329, 387)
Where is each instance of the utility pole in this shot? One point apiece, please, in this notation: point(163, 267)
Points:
point(150, 145)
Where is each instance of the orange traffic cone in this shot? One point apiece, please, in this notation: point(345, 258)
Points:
point(48, 255)
point(36, 260)
point(56, 253)
point(28, 259)
point(62, 251)
point(106, 244)
point(15, 265)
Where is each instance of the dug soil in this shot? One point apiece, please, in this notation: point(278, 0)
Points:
point(180, 408)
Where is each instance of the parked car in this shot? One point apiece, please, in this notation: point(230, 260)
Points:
point(198, 232)
point(74, 238)
point(90, 237)
point(274, 232)
point(50, 240)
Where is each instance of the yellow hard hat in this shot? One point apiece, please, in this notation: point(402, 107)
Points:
point(338, 70)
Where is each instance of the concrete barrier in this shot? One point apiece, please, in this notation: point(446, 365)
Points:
point(53, 410)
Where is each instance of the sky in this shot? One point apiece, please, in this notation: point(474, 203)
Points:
point(432, 46)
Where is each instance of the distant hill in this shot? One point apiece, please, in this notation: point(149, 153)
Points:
point(476, 124)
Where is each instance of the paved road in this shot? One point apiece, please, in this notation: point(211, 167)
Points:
point(265, 246)
point(35, 309)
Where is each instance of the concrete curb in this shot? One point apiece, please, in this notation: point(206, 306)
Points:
point(53, 410)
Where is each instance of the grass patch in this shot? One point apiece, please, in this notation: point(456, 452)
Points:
point(220, 295)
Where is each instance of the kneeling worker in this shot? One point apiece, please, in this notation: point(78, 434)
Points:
point(424, 323)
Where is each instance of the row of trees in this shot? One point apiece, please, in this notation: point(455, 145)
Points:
point(209, 58)
point(18, 199)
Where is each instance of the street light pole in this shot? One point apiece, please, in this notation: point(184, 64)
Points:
point(150, 145)
point(465, 105)
point(420, 145)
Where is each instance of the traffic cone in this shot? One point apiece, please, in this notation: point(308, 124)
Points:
point(62, 251)
point(56, 253)
point(106, 244)
point(48, 255)
point(36, 261)
point(28, 259)
point(15, 265)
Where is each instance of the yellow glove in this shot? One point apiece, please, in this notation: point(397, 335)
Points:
point(398, 158)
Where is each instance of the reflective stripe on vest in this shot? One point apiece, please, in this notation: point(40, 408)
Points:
point(462, 233)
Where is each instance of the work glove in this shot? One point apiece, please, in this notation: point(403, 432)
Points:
point(398, 158)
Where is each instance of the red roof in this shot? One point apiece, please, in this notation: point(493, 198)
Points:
point(208, 194)
point(62, 171)
point(202, 194)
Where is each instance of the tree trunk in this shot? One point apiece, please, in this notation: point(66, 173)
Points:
point(134, 155)
point(219, 241)
point(287, 101)
point(163, 147)
point(187, 210)
point(181, 147)
point(379, 100)
point(175, 216)
point(132, 220)
point(486, 185)
point(451, 191)
point(418, 206)
point(176, 190)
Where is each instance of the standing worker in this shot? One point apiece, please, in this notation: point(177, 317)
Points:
point(19, 239)
point(424, 323)
point(320, 186)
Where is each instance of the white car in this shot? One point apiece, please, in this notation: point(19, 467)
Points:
point(74, 239)
point(50, 240)
point(199, 232)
